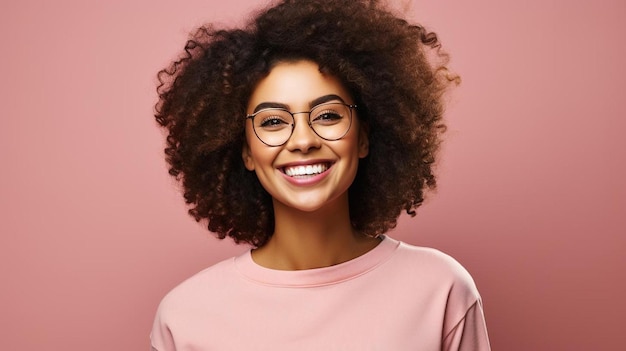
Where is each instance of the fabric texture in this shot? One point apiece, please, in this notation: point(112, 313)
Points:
point(394, 297)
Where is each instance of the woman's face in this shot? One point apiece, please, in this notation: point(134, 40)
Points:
point(307, 172)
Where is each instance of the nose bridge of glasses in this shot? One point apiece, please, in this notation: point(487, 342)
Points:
point(301, 112)
point(307, 113)
point(306, 119)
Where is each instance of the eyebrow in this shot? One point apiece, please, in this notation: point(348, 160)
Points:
point(312, 103)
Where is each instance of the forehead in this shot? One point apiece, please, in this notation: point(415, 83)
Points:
point(296, 85)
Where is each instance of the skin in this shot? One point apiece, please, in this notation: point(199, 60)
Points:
point(312, 221)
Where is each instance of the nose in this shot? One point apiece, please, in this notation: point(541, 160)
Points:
point(303, 138)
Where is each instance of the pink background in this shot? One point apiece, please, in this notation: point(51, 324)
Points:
point(531, 200)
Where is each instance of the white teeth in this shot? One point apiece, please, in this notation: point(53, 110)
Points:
point(306, 170)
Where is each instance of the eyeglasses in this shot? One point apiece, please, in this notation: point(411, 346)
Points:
point(330, 121)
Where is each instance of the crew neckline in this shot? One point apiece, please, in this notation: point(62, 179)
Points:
point(335, 274)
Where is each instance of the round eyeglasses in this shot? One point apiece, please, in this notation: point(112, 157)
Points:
point(274, 126)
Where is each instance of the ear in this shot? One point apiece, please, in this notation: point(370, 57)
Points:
point(247, 157)
point(364, 141)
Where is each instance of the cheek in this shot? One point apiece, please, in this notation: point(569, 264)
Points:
point(250, 136)
point(248, 149)
point(357, 145)
point(259, 156)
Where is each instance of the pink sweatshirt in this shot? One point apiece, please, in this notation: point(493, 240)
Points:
point(395, 297)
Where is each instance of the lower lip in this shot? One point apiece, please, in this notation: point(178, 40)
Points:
point(309, 180)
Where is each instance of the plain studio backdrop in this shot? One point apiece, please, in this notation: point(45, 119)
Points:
point(531, 197)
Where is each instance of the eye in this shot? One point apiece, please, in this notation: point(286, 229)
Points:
point(272, 120)
point(327, 117)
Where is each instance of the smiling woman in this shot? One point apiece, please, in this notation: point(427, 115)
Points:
point(305, 135)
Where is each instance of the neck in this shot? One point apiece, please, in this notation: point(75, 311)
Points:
point(306, 240)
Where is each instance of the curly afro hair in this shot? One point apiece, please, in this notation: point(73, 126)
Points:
point(394, 70)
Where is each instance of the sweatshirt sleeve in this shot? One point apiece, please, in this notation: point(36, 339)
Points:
point(161, 338)
point(470, 334)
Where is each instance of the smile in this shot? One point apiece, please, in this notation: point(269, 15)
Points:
point(304, 171)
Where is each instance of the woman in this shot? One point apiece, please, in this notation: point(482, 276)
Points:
point(305, 135)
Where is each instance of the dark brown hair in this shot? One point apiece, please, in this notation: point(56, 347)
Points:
point(381, 59)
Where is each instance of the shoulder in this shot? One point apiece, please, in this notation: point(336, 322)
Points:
point(431, 267)
point(213, 281)
point(440, 279)
point(188, 303)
